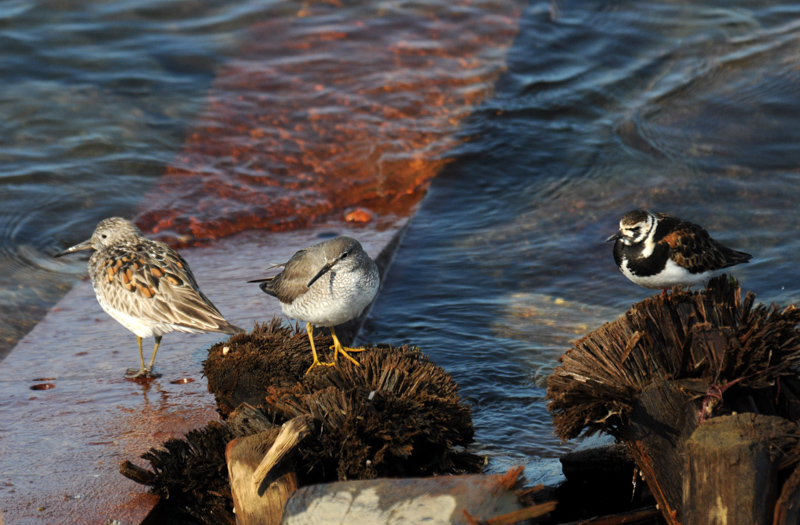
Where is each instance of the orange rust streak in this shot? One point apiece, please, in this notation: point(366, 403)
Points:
point(312, 122)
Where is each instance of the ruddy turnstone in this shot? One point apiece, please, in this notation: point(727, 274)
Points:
point(326, 284)
point(659, 251)
point(147, 287)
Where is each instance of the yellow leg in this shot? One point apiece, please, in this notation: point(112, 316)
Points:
point(132, 372)
point(337, 347)
point(141, 356)
point(316, 362)
point(153, 358)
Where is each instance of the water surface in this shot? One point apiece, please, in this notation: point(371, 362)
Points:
point(688, 109)
point(95, 102)
point(605, 107)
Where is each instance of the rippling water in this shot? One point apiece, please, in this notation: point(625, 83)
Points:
point(688, 109)
point(95, 101)
point(605, 107)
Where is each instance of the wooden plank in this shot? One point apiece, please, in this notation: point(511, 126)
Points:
point(787, 508)
point(440, 500)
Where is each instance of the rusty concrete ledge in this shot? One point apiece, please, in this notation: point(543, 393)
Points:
point(69, 416)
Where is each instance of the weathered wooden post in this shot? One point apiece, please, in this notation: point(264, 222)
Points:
point(731, 472)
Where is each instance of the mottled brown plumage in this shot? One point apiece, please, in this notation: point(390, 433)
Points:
point(691, 247)
point(147, 287)
point(150, 281)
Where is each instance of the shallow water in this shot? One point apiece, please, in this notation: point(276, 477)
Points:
point(604, 107)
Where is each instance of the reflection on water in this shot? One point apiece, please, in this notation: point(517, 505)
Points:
point(604, 107)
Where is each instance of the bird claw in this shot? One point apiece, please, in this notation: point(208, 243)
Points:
point(333, 347)
point(316, 364)
point(141, 373)
point(344, 351)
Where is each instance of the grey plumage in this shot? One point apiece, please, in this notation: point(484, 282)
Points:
point(326, 284)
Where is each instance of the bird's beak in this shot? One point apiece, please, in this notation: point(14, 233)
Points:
point(260, 280)
point(325, 269)
point(85, 245)
point(615, 236)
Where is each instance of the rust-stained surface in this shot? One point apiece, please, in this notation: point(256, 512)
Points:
point(337, 111)
point(60, 447)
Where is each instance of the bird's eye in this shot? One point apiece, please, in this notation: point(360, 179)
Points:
point(104, 236)
point(344, 255)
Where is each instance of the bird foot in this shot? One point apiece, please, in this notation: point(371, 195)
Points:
point(141, 373)
point(344, 351)
point(317, 363)
point(333, 347)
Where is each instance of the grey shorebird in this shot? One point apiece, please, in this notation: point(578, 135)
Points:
point(326, 284)
point(147, 287)
point(658, 251)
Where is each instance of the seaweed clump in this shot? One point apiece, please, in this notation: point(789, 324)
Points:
point(240, 369)
point(395, 415)
point(727, 354)
point(675, 365)
point(190, 473)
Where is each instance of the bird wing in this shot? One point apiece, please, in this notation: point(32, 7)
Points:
point(291, 282)
point(691, 247)
point(149, 280)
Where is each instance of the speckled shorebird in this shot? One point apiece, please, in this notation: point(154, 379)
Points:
point(147, 287)
point(326, 284)
point(658, 251)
